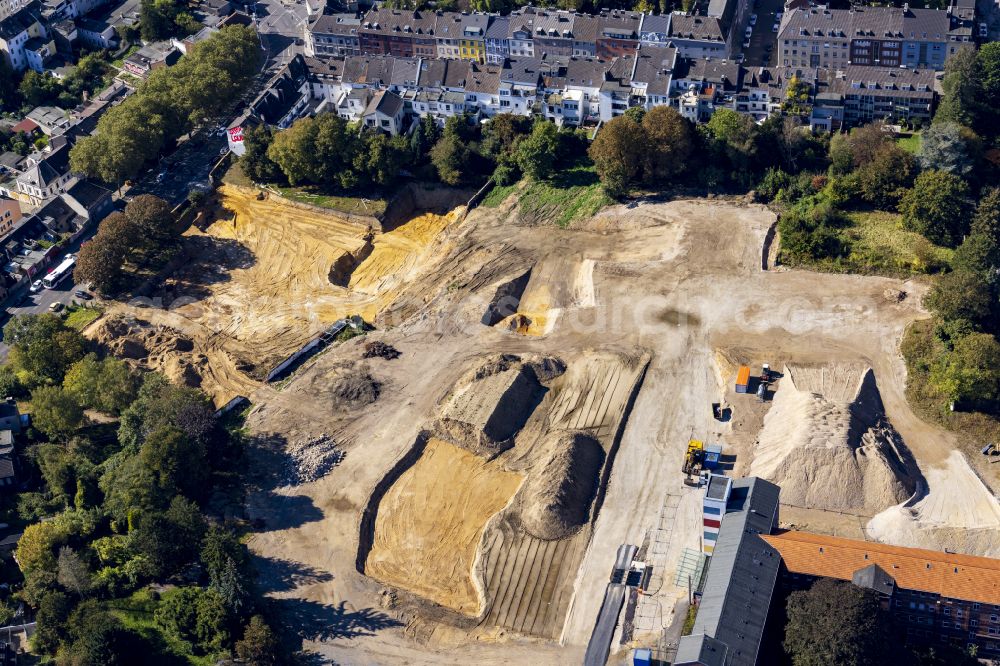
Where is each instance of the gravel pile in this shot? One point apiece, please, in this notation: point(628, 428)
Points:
point(312, 459)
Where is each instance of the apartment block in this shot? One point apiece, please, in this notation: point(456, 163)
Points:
point(866, 36)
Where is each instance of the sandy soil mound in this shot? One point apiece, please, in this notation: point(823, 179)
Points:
point(557, 496)
point(493, 403)
point(826, 442)
point(430, 522)
point(960, 513)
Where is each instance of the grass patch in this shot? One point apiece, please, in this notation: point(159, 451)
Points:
point(573, 194)
point(689, 618)
point(120, 62)
point(346, 204)
point(136, 613)
point(234, 176)
point(78, 317)
point(877, 244)
point(909, 142)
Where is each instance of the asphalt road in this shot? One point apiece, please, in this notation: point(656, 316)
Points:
point(763, 37)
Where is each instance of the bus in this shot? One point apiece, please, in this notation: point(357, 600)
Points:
point(59, 273)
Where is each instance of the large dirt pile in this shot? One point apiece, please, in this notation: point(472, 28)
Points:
point(556, 498)
point(152, 346)
point(827, 443)
point(494, 401)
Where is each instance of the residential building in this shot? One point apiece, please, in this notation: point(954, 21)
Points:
point(497, 40)
point(654, 30)
point(552, 31)
point(871, 36)
point(285, 99)
point(10, 214)
point(9, 468)
point(933, 598)
point(873, 93)
point(46, 176)
point(333, 35)
point(522, 43)
point(398, 32)
point(740, 580)
point(150, 57)
point(698, 36)
point(652, 75)
point(51, 120)
point(617, 34)
point(384, 112)
point(23, 38)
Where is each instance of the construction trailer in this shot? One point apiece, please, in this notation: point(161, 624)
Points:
point(713, 454)
point(743, 379)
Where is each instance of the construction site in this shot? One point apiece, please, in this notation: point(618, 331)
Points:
point(471, 488)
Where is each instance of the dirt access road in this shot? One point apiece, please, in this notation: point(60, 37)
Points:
point(676, 282)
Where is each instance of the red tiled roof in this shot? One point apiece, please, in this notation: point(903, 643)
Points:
point(950, 575)
point(27, 125)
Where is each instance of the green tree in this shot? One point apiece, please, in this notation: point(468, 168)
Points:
point(10, 385)
point(176, 461)
point(169, 541)
point(618, 153)
point(453, 159)
point(51, 622)
point(670, 144)
point(42, 348)
point(98, 637)
point(883, 181)
point(858, 148)
point(382, 157)
point(536, 153)
point(101, 262)
point(988, 69)
point(835, 622)
point(961, 89)
point(259, 645)
point(938, 207)
point(197, 616)
point(9, 97)
point(55, 412)
point(255, 163)
point(971, 371)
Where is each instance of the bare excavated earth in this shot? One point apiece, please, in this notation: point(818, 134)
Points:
point(546, 385)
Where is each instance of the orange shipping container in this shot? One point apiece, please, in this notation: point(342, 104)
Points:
point(742, 379)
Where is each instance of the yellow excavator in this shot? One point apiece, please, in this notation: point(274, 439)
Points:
point(694, 459)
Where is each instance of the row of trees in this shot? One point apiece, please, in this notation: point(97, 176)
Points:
point(124, 505)
point(174, 100)
point(144, 235)
point(659, 148)
point(328, 152)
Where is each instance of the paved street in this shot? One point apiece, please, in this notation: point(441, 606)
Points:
point(763, 50)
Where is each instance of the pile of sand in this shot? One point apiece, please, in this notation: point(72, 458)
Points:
point(556, 498)
point(493, 402)
point(827, 443)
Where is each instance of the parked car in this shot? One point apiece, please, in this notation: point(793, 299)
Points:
point(983, 30)
point(80, 293)
point(777, 17)
point(774, 28)
point(746, 43)
point(753, 19)
point(748, 32)
point(35, 287)
point(55, 307)
point(223, 151)
point(160, 177)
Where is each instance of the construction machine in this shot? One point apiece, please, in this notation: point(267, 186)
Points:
point(694, 459)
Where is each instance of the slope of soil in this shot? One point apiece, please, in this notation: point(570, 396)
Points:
point(266, 276)
point(430, 522)
point(832, 450)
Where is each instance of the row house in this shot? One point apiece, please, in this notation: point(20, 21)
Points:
point(617, 34)
point(763, 90)
point(705, 85)
point(652, 74)
point(698, 36)
point(867, 36)
point(497, 40)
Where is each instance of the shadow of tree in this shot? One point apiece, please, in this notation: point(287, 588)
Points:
point(304, 620)
point(270, 464)
point(210, 261)
point(282, 575)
